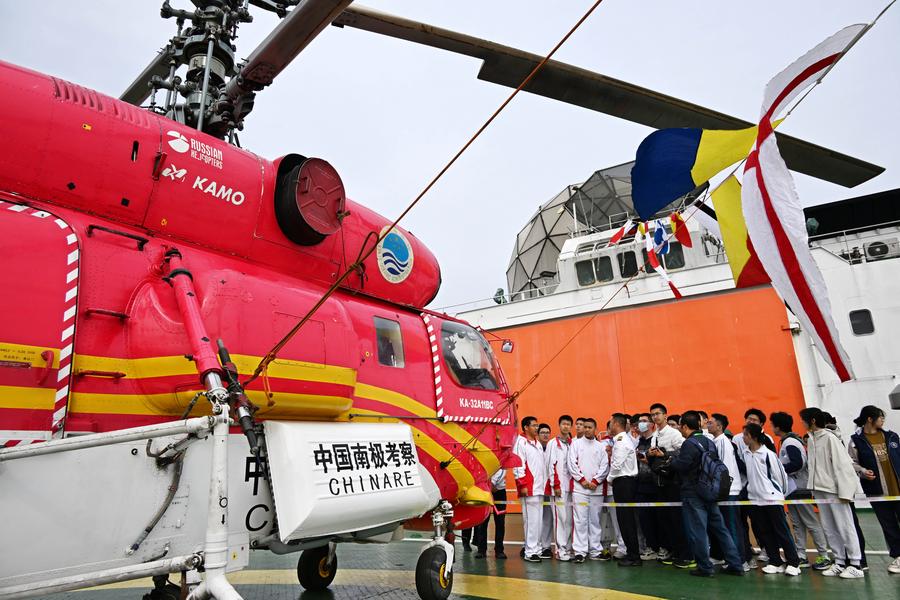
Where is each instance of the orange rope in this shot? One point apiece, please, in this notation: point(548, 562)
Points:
point(364, 253)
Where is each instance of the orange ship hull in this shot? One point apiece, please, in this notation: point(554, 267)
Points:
point(722, 352)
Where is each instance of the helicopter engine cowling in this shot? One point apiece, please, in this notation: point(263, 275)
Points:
point(313, 213)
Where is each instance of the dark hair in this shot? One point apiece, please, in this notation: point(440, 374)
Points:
point(703, 414)
point(661, 407)
point(829, 418)
point(528, 421)
point(691, 420)
point(590, 420)
point(721, 419)
point(582, 419)
point(756, 432)
point(676, 418)
point(565, 418)
point(782, 421)
point(643, 415)
point(755, 411)
point(543, 426)
point(813, 415)
point(866, 413)
point(620, 419)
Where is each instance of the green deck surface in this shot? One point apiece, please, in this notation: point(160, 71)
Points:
point(386, 572)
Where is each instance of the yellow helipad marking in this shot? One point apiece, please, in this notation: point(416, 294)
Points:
point(482, 586)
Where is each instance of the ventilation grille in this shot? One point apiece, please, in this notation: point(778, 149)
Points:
point(75, 94)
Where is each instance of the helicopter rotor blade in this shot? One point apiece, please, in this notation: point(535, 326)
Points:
point(508, 66)
point(283, 44)
point(139, 90)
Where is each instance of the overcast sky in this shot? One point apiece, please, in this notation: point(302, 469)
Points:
point(388, 114)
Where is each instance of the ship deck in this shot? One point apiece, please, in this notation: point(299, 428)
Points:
point(386, 572)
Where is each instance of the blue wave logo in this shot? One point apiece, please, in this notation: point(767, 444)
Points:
point(395, 257)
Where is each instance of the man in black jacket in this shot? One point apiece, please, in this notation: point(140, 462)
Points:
point(701, 515)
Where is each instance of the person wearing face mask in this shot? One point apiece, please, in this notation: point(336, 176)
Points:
point(647, 490)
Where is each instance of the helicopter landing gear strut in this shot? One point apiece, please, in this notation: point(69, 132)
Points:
point(317, 567)
point(434, 570)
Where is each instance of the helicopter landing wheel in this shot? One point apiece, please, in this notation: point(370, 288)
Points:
point(433, 581)
point(314, 569)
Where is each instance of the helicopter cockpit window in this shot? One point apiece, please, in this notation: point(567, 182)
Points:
point(389, 342)
point(468, 356)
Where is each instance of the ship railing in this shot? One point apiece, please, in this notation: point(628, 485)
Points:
point(499, 299)
point(849, 245)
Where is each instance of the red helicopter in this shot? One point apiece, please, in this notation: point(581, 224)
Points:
point(156, 265)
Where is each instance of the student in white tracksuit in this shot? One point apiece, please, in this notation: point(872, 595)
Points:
point(546, 502)
point(561, 484)
point(531, 480)
point(832, 477)
point(609, 521)
point(588, 465)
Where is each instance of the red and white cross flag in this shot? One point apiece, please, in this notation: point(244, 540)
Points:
point(775, 220)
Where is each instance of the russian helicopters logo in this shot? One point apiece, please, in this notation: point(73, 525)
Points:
point(205, 153)
point(174, 173)
point(178, 142)
point(395, 256)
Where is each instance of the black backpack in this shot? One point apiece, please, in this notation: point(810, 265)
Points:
point(713, 479)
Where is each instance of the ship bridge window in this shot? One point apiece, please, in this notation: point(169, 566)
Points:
point(627, 264)
point(585, 271)
point(648, 268)
point(675, 257)
point(468, 357)
point(389, 342)
point(603, 268)
point(597, 270)
point(861, 322)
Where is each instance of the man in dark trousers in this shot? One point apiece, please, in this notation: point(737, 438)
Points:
point(623, 471)
point(498, 487)
point(701, 515)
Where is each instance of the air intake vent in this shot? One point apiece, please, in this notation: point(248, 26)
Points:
point(75, 94)
point(69, 92)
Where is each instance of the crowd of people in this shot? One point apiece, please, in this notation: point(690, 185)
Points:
point(570, 485)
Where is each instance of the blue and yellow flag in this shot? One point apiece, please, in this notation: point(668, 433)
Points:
point(672, 162)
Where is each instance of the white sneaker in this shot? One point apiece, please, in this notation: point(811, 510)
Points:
point(663, 554)
point(763, 556)
point(894, 567)
point(852, 572)
point(772, 569)
point(792, 571)
point(717, 562)
point(648, 555)
point(746, 567)
point(833, 571)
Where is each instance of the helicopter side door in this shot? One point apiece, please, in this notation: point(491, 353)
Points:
point(39, 280)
